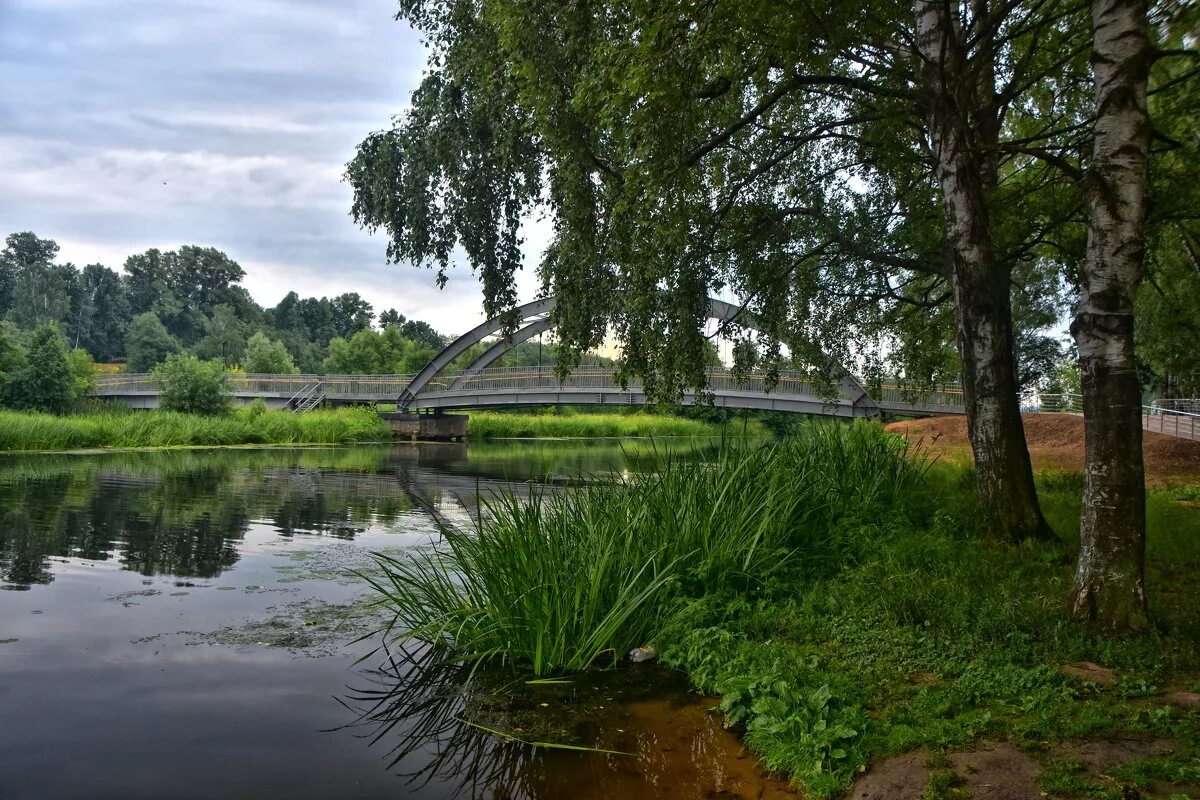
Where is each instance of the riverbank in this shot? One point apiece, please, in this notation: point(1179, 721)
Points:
point(496, 425)
point(122, 428)
point(25, 431)
point(850, 608)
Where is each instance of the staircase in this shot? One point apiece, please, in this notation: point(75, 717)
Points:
point(308, 398)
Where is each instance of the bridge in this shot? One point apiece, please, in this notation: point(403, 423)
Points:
point(437, 387)
point(499, 387)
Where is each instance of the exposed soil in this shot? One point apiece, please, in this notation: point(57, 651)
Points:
point(1001, 771)
point(992, 771)
point(1055, 443)
point(1090, 671)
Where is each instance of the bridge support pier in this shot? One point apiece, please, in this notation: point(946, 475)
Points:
point(428, 427)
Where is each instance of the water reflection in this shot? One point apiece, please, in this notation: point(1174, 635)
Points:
point(120, 631)
point(469, 733)
point(179, 514)
point(183, 513)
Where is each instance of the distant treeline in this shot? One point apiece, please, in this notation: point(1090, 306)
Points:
point(191, 300)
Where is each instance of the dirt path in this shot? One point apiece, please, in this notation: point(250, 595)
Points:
point(1056, 443)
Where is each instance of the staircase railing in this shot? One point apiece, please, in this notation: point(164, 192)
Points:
point(308, 398)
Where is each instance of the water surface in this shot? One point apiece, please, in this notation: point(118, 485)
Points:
point(182, 624)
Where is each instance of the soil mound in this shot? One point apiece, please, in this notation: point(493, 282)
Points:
point(1055, 442)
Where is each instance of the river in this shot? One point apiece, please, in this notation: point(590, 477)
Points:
point(180, 624)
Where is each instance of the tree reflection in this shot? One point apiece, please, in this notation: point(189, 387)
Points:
point(183, 514)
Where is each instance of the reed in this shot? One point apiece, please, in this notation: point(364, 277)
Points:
point(124, 428)
point(556, 581)
point(493, 425)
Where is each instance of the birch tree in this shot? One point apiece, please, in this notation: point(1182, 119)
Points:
point(828, 166)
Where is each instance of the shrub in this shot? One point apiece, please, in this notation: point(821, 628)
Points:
point(83, 373)
point(192, 386)
point(43, 382)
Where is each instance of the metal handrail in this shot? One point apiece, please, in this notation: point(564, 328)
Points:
point(388, 387)
point(1155, 418)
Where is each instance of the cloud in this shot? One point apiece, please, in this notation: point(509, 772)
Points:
point(126, 125)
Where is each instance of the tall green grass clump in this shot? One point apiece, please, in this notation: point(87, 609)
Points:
point(493, 425)
point(560, 580)
point(125, 428)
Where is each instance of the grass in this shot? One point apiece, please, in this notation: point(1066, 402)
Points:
point(497, 425)
point(556, 580)
point(124, 428)
point(842, 597)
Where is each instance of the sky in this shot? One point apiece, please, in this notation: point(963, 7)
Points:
point(131, 124)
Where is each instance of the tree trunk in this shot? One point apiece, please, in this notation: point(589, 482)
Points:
point(964, 127)
point(1109, 585)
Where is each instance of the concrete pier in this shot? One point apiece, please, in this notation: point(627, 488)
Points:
point(428, 427)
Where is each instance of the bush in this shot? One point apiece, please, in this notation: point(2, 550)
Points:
point(83, 374)
point(44, 381)
point(192, 386)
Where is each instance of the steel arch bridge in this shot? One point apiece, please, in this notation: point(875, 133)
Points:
point(480, 385)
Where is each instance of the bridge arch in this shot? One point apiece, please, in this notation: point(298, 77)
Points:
point(535, 318)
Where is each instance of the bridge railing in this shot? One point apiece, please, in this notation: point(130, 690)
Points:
point(502, 379)
point(1052, 402)
point(125, 383)
point(605, 378)
point(892, 395)
point(1183, 424)
point(368, 386)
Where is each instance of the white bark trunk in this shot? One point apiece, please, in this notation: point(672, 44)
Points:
point(1109, 583)
point(963, 124)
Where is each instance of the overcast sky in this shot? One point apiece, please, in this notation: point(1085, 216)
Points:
point(130, 124)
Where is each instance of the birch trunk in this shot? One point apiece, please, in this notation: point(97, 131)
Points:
point(964, 127)
point(1109, 587)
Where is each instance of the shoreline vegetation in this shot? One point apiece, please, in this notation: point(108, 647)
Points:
point(504, 425)
point(121, 428)
point(843, 596)
point(117, 429)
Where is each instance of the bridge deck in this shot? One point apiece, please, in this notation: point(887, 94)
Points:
point(793, 392)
